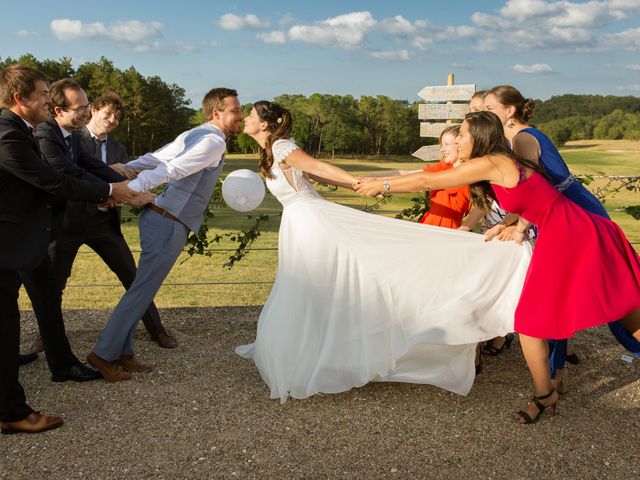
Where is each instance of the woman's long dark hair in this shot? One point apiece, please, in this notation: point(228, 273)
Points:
point(279, 120)
point(488, 139)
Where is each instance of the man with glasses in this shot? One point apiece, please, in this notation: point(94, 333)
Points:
point(78, 222)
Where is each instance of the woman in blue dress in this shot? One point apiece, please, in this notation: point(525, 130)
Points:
point(514, 111)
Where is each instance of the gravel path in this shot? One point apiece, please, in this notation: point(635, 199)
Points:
point(204, 413)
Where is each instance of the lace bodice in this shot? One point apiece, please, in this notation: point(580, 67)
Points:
point(289, 185)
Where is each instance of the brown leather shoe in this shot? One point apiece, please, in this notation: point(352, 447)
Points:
point(37, 345)
point(109, 370)
point(131, 364)
point(34, 423)
point(165, 340)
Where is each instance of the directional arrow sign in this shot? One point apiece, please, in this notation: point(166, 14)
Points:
point(442, 111)
point(433, 129)
point(428, 153)
point(446, 93)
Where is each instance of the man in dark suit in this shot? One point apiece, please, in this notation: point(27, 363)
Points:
point(27, 183)
point(76, 222)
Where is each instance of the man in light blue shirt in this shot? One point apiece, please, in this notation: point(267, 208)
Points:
point(190, 166)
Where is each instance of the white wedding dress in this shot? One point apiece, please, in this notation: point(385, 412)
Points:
point(360, 297)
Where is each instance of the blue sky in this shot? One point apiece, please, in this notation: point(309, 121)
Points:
point(373, 47)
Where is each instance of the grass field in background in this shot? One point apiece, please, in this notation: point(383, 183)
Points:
point(584, 158)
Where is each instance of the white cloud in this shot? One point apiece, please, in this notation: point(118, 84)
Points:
point(132, 35)
point(627, 39)
point(582, 15)
point(277, 36)
point(161, 47)
point(490, 22)
point(634, 66)
point(522, 10)
point(629, 88)
point(27, 34)
point(397, 25)
point(533, 25)
point(560, 25)
point(391, 55)
point(622, 7)
point(128, 31)
point(347, 31)
point(229, 21)
point(420, 42)
point(536, 68)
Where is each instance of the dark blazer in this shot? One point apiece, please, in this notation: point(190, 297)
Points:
point(116, 152)
point(73, 215)
point(27, 184)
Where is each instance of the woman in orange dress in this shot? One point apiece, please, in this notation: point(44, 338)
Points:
point(448, 206)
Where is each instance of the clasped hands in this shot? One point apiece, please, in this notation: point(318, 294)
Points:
point(368, 186)
point(121, 193)
point(126, 172)
point(373, 187)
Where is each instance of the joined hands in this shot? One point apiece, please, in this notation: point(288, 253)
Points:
point(369, 186)
point(121, 193)
point(128, 173)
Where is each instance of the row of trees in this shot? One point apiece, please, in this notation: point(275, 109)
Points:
point(570, 105)
point(617, 125)
point(156, 112)
point(331, 124)
point(585, 117)
point(323, 124)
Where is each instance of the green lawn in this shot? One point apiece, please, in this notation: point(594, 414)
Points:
point(260, 264)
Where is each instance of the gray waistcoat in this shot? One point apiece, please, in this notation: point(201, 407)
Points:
point(187, 198)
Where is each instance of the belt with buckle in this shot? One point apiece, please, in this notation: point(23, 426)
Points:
point(163, 212)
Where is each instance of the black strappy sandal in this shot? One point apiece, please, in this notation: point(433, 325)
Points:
point(541, 408)
point(491, 350)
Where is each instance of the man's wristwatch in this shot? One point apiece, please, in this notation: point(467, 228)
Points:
point(385, 186)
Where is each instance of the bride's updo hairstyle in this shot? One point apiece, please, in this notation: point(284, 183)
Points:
point(488, 139)
point(279, 121)
point(510, 97)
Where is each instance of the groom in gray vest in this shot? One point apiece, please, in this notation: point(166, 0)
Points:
point(190, 165)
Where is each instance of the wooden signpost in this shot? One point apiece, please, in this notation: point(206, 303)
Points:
point(441, 111)
point(438, 111)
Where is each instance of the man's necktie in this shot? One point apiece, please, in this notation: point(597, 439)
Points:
point(68, 140)
point(98, 151)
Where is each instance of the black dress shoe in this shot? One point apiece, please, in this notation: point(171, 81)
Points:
point(25, 358)
point(77, 373)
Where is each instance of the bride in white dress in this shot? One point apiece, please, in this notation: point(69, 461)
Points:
point(360, 297)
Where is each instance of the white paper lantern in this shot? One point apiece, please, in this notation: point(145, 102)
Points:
point(243, 190)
